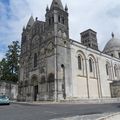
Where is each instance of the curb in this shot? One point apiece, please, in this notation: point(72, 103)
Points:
point(34, 103)
point(59, 102)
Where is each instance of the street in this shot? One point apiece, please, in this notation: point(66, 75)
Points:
point(51, 111)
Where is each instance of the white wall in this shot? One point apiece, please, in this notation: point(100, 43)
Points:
point(97, 83)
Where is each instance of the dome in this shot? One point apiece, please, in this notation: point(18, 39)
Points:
point(112, 44)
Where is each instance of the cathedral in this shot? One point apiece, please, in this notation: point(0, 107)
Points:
point(54, 67)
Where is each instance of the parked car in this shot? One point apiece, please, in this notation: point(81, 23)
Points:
point(4, 100)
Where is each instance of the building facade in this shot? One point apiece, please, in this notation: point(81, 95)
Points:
point(55, 67)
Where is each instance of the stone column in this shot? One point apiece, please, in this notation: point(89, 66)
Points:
point(87, 76)
point(98, 79)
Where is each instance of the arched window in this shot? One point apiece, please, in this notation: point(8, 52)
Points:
point(51, 77)
point(35, 60)
point(59, 18)
point(107, 69)
point(115, 69)
point(42, 79)
point(79, 62)
point(112, 54)
point(119, 55)
point(63, 20)
point(63, 81)
point(34, 80)
point(52, 19)
point(49, 21)
point(91, 65)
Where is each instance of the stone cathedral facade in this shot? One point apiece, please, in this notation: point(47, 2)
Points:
point(55, 67)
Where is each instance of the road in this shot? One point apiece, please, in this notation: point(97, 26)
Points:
point(51, 111)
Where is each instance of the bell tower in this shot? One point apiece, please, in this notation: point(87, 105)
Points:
point(89, 39)
point(57, 26)
point(57, 17)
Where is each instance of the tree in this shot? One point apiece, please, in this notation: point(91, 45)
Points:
point(4, 69)
point(10, 64)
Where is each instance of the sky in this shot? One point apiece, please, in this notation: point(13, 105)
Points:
point(103, 16)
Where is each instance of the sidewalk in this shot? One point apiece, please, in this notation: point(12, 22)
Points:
point(79, 101)
point(35, 103)
point(105, 116)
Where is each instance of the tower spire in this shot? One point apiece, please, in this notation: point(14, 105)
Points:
point(56, 4)
point(47, 8)
point(66, 8)
point(31, 21)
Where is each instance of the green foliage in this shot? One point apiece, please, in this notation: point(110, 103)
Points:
point(9, 66)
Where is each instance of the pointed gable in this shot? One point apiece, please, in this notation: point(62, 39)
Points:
point(57, 4)
point(30, 22)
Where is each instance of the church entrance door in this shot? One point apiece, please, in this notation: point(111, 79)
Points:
point(34, 81)
point(35, 92)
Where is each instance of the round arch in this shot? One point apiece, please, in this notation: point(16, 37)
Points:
point(108, 69)
point(34, 80)
point(51, 77)
point(81, 53)
point(92, 65)
point(116, 71)
point(90, 56)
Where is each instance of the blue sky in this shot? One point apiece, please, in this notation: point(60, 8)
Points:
point(100, 15)
point(6, 2)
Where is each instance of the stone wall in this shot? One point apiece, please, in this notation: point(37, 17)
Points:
point(115, 89)
point(95, 84)
point(9, 89)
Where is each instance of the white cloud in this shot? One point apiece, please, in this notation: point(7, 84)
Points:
point(101, 15)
